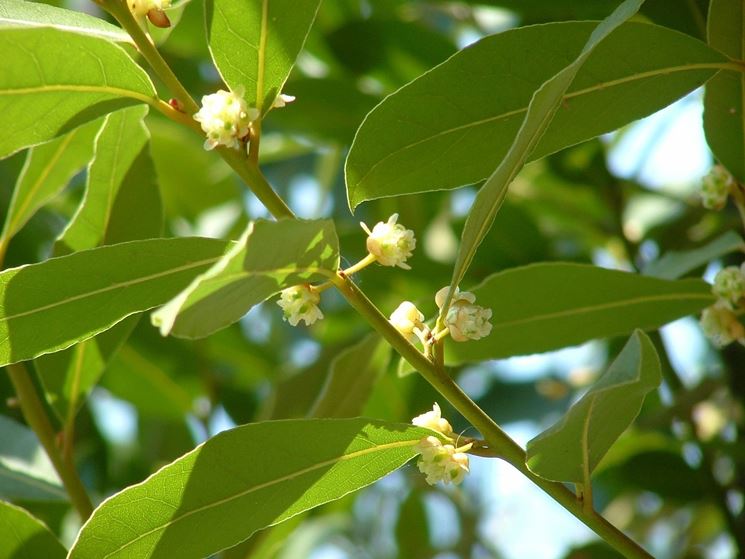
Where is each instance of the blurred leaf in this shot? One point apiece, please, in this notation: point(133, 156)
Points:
point(20, 13)
point(243, 480)
point(591, 426)
point(353, 375)
point(47, 170)
point(479, 97)
point(25, 470)
point(724, 109)
point(129, 278)
point(301, 252)
point(675, 264)
point(412, 529)
point(25, 537)
point(553, 305)
point(255, 44)
point(53, 81)
point(327, 109)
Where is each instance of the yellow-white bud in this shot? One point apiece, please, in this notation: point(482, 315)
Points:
point(225, 118)
point(721, 325)
point(282, 100)
point(434, 420)
point(729, 284)
point(141, 7)
point(408, 320)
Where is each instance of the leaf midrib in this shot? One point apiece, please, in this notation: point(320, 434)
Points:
point(572, 95)
point(81, 88)
point(287, 477)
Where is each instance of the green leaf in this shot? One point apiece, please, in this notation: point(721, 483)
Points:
point(243, 480)
point(129, 278)
point(270, 256)
point(576, 444)
point(25, 537)
point(353, 375)
point(53, 81)
point(553, 305)
point(254, 44)
point(454, 125)
point(47, 170)
point(676, 264)
point(25, 471)
point(19, 13)
point(543, 106)
point(724, 104)
point(120, 174)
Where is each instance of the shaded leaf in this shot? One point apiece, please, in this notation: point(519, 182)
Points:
point(53, 81)
point(553, 305)
point(351, 379)
point(24, 536)
point(255, 44)
point(454, 125)
point(25, 471)
point(724, 108)
point(270, 256)
point(243, 480)
point(129, 278)
point(675, 264)
point(593, 424)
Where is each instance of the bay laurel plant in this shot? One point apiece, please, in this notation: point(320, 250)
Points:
point(158, 248)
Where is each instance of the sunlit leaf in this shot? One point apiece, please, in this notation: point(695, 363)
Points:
point(24, 536)
point(576, 444)
point(243, 480)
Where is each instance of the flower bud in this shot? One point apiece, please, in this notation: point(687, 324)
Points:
point(434, 420)
point(141, 8)
point(716, 187)
point(721, 325)
point(407, 319)
point(282, 100)
point(464, 320)
point(300, 303)
point(225, 118)
point(729, 284)
point(390, 243)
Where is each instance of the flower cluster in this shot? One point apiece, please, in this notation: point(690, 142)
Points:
point(715, 188)
point(465, 320)
point(153, 9)
point(225, 118)
point(390, 243)
point(729, 285)
point(719, 321)
point(300, 303)
point(438, 461)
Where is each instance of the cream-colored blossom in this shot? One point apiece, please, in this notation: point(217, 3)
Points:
point(442, 462)
point(721, 325)
point(434, 420)
point(300, 303)
point(282, 100)
point(465, 320)
point(715, 188)
point(729, 284)
point(225, 118)
point(390, 243)
point(408, 320)
point(141, 7)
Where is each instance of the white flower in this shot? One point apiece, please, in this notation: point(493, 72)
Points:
point(225, 118)
point(716, 187)
point(390, 243)
point(729, 284)
point(464, 320)
point(282, 100)
point(721, 325)
point(434, 420)
point(442, 462)
point(409, 321)
point(300, 303)
point(141, 7)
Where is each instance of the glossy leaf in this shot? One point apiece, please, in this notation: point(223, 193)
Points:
point(454, 125)
point(129, 278)
point(553, 305)
point(544, 104)
point(270, 256)
point(24, 536)
point(255, 44)
point(21, 13)
point(352, 378)
point(676, 264)
point(580, 440)
point(724, 108)
point(47, 170)
point(243, 480)
point(53, 81)
point(25, 471)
